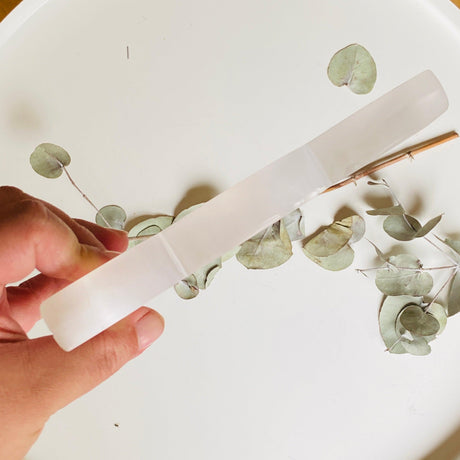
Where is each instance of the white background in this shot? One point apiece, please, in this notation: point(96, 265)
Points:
point(281, 364)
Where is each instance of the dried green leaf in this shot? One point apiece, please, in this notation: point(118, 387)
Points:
point(329, 241)
point(428, 227)
point(206, 274)
point(357, 226)
point(418, 322)
point(394, 280)
point(335, 262)
point(391, 211)
point(113, 215)
point(353, 66)
point(417, 347)
point(48, 160)
point(187, 288)
point(453, 303)
point(187, 211)
point(453, 244)
point(268, 249)
point(211, 275)
point(439, 312)
point(294, 224)
point(149, 227)
point(402, 228)
point(390, 330)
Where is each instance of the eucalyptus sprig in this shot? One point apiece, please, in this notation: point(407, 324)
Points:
point(408, 319)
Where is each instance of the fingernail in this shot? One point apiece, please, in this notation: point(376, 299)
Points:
point(148, 329)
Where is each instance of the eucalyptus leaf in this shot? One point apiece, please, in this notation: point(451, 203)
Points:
point(187, 288)
point(453, 303)
point(268, 249)
point(149, 227)
point(418, 322)
point(390, 331)
point(453, 244)
point(187, 211)
point(206, 274)
point(113, 215)
point(428, 227)
point(335, 262)
point(295, 226)
point(329, 241)
point(211, 275)
point(353, 66)
point(417, 347)
point(357, 226)
point(438, 312)
point(390, 211)
point(401, 228)
point(396, 280)
point(48, 160)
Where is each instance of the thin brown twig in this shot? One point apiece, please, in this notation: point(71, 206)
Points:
point(389, 160)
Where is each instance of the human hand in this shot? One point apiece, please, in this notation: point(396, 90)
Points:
point(37, 378)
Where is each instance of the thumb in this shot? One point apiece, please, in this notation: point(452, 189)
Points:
point(59, 377)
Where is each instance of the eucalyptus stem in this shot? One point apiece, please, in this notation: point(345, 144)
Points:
point(412, 269)
point(85, 196)
point(439, 249)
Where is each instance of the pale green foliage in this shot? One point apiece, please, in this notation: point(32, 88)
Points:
point(354, 67)
point(342, 259)
point(268, 249)
point(418, 322)
point(186, 289)
point(48, 160)
point(294, 224)
point(149, 227)
point(453, 303)
point(406, 325)
point(190, 287)
point(403, 276)
point(111, 216)
point(331, 247)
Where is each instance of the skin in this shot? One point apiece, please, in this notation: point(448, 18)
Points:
point(37, 378)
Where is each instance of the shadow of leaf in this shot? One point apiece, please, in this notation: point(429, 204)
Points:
point(198, 194)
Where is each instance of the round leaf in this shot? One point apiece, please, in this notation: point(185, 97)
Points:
point(149, 227)
point(335, 262)
point(48, 160)
point(396, 281)
point(294, 223)
point(113, 215)
point(268, 249)
point(453, 303)
point(329, 241)
point(440, 314)
point(414, 319)
point(353, 66)
point(402, 228)
point(357, 226)
point(187, 289)
point(204, 276)
point(389, 330)
point(417, 347)
point(391, 211)
point(187, 211)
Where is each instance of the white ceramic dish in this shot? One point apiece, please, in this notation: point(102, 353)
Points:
point(281, 364)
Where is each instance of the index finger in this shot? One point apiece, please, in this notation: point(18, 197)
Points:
point(31, 236)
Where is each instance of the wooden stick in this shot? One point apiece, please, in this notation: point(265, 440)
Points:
point(393, 158)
